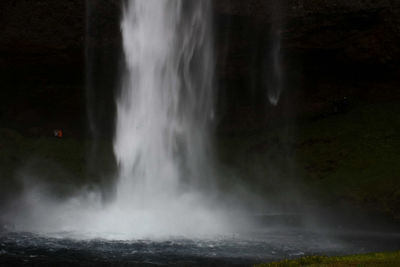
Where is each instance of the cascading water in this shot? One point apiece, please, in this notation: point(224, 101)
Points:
point(164, 112)
point(164, 115)
point(166, 102)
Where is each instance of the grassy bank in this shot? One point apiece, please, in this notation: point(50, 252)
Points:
point(369, 260)
point(350, 157)
point(354, 157)
point(63, 164)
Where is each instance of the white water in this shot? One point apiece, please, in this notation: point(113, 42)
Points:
point(164, 114)
point(166, 102)
point(165, 109)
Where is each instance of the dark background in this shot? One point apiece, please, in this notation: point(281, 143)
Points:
point(60, 62)
point(44, 52)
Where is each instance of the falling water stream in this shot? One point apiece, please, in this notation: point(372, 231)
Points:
point(164, 184)
point(274, 82)
point(163, 117)
point(166, 102)
point(165, 181)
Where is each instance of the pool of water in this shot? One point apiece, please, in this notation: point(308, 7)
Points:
point(66, 249)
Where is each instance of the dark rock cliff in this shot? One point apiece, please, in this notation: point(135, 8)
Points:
point(45, 46)
point(327, 46)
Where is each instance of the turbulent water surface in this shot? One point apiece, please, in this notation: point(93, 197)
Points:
point(31, 249)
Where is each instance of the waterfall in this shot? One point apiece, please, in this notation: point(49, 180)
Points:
point(164, 118)
point(164, 115)
point(166, 103)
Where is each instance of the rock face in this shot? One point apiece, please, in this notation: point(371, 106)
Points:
point(367, 31)
point(43, 44)
point(325, 45)
point(42, 32)
point(363, 31)
point(44, 49)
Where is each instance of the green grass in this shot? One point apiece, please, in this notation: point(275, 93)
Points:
point(17, 150)
point(49, 160)
point(390, 259)
point(354, 156)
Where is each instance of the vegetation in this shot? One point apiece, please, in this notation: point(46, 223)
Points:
point(354, 157)
point(61, 163)
point(368, 260)
point(349, 157)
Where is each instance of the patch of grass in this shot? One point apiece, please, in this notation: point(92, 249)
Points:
point(17, 150)
point(371, 260)
point(354, 156)
point(351, 157)
point(49, 160)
